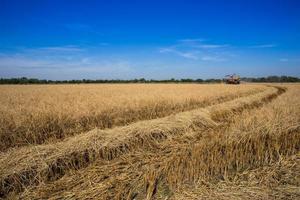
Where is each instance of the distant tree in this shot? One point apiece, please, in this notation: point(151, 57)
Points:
point(24, 80)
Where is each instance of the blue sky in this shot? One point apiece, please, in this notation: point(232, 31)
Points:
point(72, 39)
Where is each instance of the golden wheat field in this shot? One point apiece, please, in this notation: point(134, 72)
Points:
point(150, 141)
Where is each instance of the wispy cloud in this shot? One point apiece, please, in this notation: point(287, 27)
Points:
point(192, 40)
point(67, 48)
point(263, 46)
point(33, 60)
point(186, 54)
point(200, 43)
point(65, 58)
point(196, 49)
point(166, 50)
point(211, 46)
point(189, 55)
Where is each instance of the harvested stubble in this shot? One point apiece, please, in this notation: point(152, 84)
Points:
point(280, 180)
point(37, 114)
point(80, 150)
point(257, 138)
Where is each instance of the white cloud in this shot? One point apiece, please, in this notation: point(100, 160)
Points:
point(68, 48)
point(186, 54)
point(191, 40)
point(189, 55)
point(211, 46)
point(263, 46)
point(61, 58)
point(199, 43)
point(196, 49)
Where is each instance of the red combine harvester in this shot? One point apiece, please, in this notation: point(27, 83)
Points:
point(232, 79)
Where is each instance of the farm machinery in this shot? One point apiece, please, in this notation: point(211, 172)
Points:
point(232, 79)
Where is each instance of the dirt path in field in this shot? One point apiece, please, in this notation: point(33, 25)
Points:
point(144, 144)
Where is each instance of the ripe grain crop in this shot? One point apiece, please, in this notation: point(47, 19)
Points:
point(244, 146)
point(257, 135)
point(34, 114)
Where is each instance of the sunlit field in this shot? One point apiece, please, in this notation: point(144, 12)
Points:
point(150, 141)
point(34, 114)
point(150, 100)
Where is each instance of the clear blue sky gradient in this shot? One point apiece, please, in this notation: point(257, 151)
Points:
point(72, 39)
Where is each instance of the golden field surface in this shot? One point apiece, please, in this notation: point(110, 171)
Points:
point(150, 141)
point(35, 114)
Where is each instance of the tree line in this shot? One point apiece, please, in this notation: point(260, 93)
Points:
point(25, 80)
